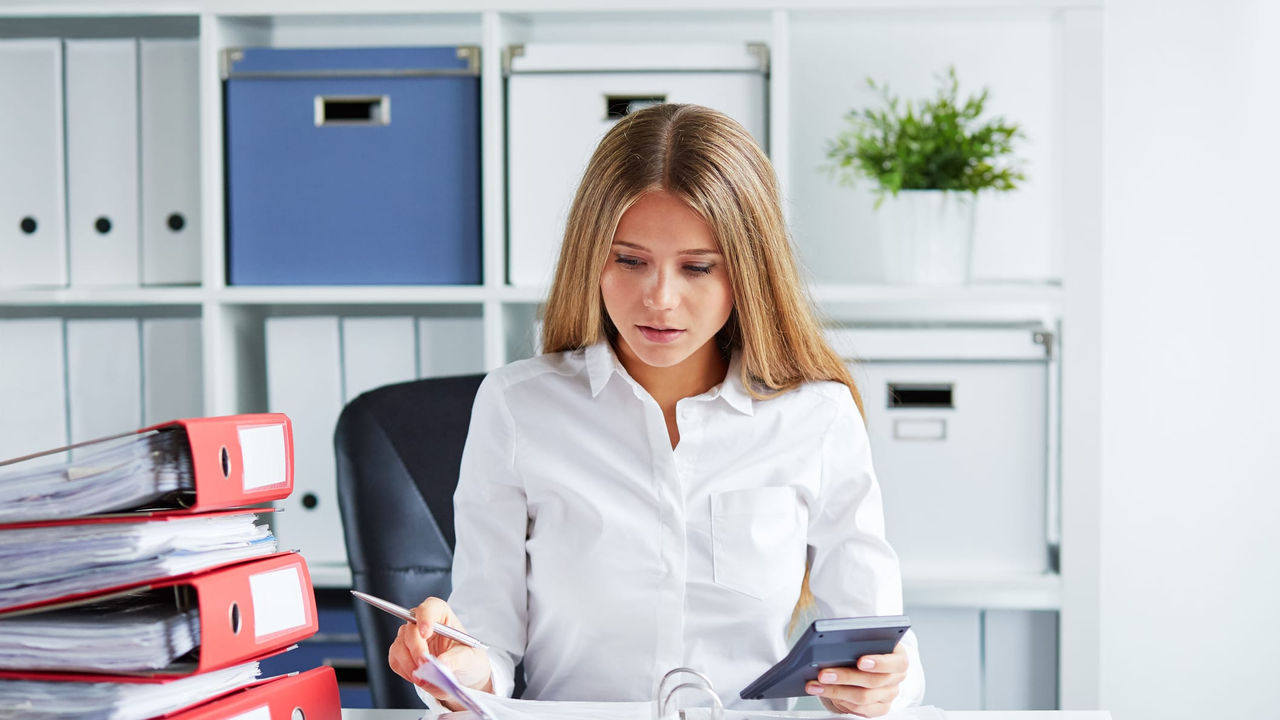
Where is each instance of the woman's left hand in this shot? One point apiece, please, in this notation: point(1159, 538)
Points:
point(866, 690)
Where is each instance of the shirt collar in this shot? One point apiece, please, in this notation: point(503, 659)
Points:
point(602, 364)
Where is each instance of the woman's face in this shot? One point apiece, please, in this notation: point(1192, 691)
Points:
point(665, 285)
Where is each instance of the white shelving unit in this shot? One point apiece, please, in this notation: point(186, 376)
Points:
point(1037, 54)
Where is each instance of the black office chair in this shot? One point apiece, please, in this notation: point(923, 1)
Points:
point(398, 450)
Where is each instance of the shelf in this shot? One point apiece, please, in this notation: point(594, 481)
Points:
point(1019, 592)
point(978, 303)
point(330, 576)
point(92, 297)
point(418, 7)
point(354, 295)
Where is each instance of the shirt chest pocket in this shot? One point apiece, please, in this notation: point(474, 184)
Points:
point(758, 540)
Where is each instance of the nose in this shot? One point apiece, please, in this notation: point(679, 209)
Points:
point(660, 292)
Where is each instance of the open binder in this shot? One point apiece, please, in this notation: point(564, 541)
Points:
point(191, 466)
point(667, 701)
point(683, 694)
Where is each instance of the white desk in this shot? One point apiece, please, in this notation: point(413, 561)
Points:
point(951, 715)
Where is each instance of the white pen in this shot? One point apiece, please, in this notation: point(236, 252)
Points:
point(406, 614)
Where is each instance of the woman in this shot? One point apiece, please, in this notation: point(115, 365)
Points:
point(684, 464)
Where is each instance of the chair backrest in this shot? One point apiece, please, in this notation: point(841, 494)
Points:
point(398, 450)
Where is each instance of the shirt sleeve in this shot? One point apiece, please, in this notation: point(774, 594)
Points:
point(491, 518)
point(853, 570)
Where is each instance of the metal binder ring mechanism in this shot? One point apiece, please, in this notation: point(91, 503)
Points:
point(701, 683)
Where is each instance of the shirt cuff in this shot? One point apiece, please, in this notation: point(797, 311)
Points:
point(434, 707)
point(911, 691)
point(502, 677)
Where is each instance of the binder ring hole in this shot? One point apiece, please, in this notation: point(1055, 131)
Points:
point(102, 225)
point(226, 463)
point(297, 714)
point(28, 225)
point(310, 501)
point(235, 618)
point(176, 222)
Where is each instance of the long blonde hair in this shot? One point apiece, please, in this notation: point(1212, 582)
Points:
point(711, 162)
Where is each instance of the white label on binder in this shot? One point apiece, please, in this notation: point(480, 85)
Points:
point(263, 451)
point(277, 601)
point(920, 429)
point(258, 713)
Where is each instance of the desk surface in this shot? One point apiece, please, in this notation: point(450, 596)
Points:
point(951, 715)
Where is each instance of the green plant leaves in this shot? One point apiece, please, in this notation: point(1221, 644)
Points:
point(939, 144)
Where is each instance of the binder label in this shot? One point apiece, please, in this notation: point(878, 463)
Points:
point(263, 450)
point(258, 713)
point(278, 603)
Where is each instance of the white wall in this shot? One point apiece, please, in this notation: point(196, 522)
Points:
point(1190, 483)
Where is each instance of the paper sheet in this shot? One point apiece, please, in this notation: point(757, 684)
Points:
point(117, 474)
point(42, 563)
point(53, 700)
point(133, 633)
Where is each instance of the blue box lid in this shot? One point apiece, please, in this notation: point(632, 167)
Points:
point(286, 61)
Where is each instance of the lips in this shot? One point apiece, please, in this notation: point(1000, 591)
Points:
point(659, 335)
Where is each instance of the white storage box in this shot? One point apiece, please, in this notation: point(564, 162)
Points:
point(959, 421)
point(562, 99)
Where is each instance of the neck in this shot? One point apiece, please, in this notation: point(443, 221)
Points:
point(696, 374)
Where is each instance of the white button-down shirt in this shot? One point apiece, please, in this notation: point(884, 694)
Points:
point(603, 558)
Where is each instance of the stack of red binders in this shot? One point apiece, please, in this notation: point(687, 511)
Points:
point(137, 582)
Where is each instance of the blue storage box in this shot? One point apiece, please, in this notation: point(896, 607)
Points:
point(353, 166)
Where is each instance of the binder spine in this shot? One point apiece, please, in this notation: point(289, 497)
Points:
point(240, 460)
point(251, 609)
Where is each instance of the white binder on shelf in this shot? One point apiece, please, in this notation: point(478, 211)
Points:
point(169, 101)
point(951, 650)
point(450, 346)
point(1021, 660)
point(33, 241)
point(562, 98)
point(104, 377)
point(102, 161)
point(304, 381)
point(376, 352)
point(32, 386)
point(172, 369)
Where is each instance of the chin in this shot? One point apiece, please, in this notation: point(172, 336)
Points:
point(655, 355)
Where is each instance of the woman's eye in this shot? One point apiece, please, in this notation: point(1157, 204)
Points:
point(627, 261)
point(699, 269)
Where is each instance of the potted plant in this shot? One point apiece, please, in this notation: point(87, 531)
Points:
point(929, 162)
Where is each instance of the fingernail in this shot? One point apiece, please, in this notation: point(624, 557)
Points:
point(814, 689)
point(866, 663)
point(828, 677)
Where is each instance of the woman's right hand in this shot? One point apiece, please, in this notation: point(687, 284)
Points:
point(469, 665)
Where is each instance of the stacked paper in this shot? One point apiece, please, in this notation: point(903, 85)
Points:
point(166, 607)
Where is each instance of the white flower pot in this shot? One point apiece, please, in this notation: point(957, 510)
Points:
point(926, 237)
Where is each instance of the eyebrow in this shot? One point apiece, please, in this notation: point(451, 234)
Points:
point(695, 251)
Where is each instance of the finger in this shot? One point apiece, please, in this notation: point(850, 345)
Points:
point(469, 665)
point(414, 643)
point(895, 662)
point(872, 710)
point(403, 665)
point(851, 694)
point(850, 676)
point(434, 610)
